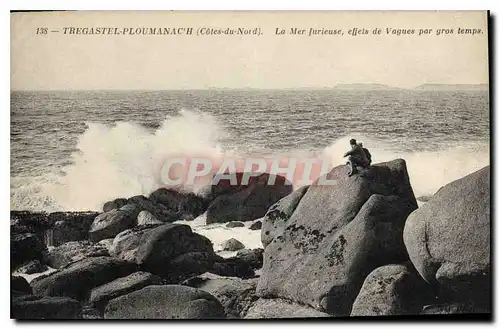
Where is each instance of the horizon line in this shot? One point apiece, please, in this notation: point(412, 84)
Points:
point(259, 88)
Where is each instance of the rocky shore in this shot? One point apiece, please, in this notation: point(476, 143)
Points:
point(361, 247)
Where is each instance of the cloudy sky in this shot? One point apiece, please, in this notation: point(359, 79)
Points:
point(59, 62)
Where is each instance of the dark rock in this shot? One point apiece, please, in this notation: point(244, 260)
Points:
point(232, 245)
point(109, 224)
point(25, 247)
point(246, 202)
point(146, 218)
point(165, 302)
point(234, 267)
point(235, 295)
point(101, 295)
point(455, 308)
point(31, 267)
point(158, 210)
point(114, 204)
point(392, 290)
point(74, 251)
point(78, 278)
point(49, 308)
point(69, 226)
point(274, 221)
point(337, 235)
point(55, 228)
point(19, 286)
point(157, 250)
point(256, 225)
point(235, 224)
point(176, 201)
point(281, 309)
point(253, 257)
point(448, 239)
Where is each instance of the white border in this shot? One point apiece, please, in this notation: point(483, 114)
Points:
point(206, 5)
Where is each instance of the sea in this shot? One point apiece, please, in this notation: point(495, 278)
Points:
point(75, 150)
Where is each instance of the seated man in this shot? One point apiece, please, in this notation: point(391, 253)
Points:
point(367, 153)
point(357, 157)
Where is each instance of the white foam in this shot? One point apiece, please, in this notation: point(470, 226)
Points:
point(125, 160)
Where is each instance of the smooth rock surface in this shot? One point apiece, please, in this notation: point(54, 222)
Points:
point(337, 235)
point(165, 302)
point(448, 239)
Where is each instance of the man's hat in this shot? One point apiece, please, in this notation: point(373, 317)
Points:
point(352, 141)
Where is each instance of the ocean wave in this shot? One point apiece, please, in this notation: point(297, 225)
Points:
point(123, 160)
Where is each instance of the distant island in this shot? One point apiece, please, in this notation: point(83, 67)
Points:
point(461, 87)
point(364, 86)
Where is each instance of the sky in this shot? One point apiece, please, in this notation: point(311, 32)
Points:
point(56, 61)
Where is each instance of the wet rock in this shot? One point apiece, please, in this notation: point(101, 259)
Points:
point(235, 224)
point(48, 308)
point(246, 202)
point(165, 302)
point(78, 278)
point(183, 202)
point(157, 249)
point(74, 251)
point(101, 295)
point(114, 204)
point(25, 247)
point(232, 245)
point(146, 218)
point(109, 224)
point(256, 225)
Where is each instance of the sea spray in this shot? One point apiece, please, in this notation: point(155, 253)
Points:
point(125, 160)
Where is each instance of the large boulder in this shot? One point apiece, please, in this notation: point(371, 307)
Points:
point(73, 251)
point(448, 239)
point(167, 250)
point(183, 202)
point(281, 309)
point(337, 235)
point(100, 296)
point(275, 219)
point(158, 210)
point(236, 295)
point(114, 204)
point(109, 224)
point(78, 278)
point(25, 247)
point(47, 308)
point(69, 226)
point(392, 290)
point(165, 302)
point(247, 202)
